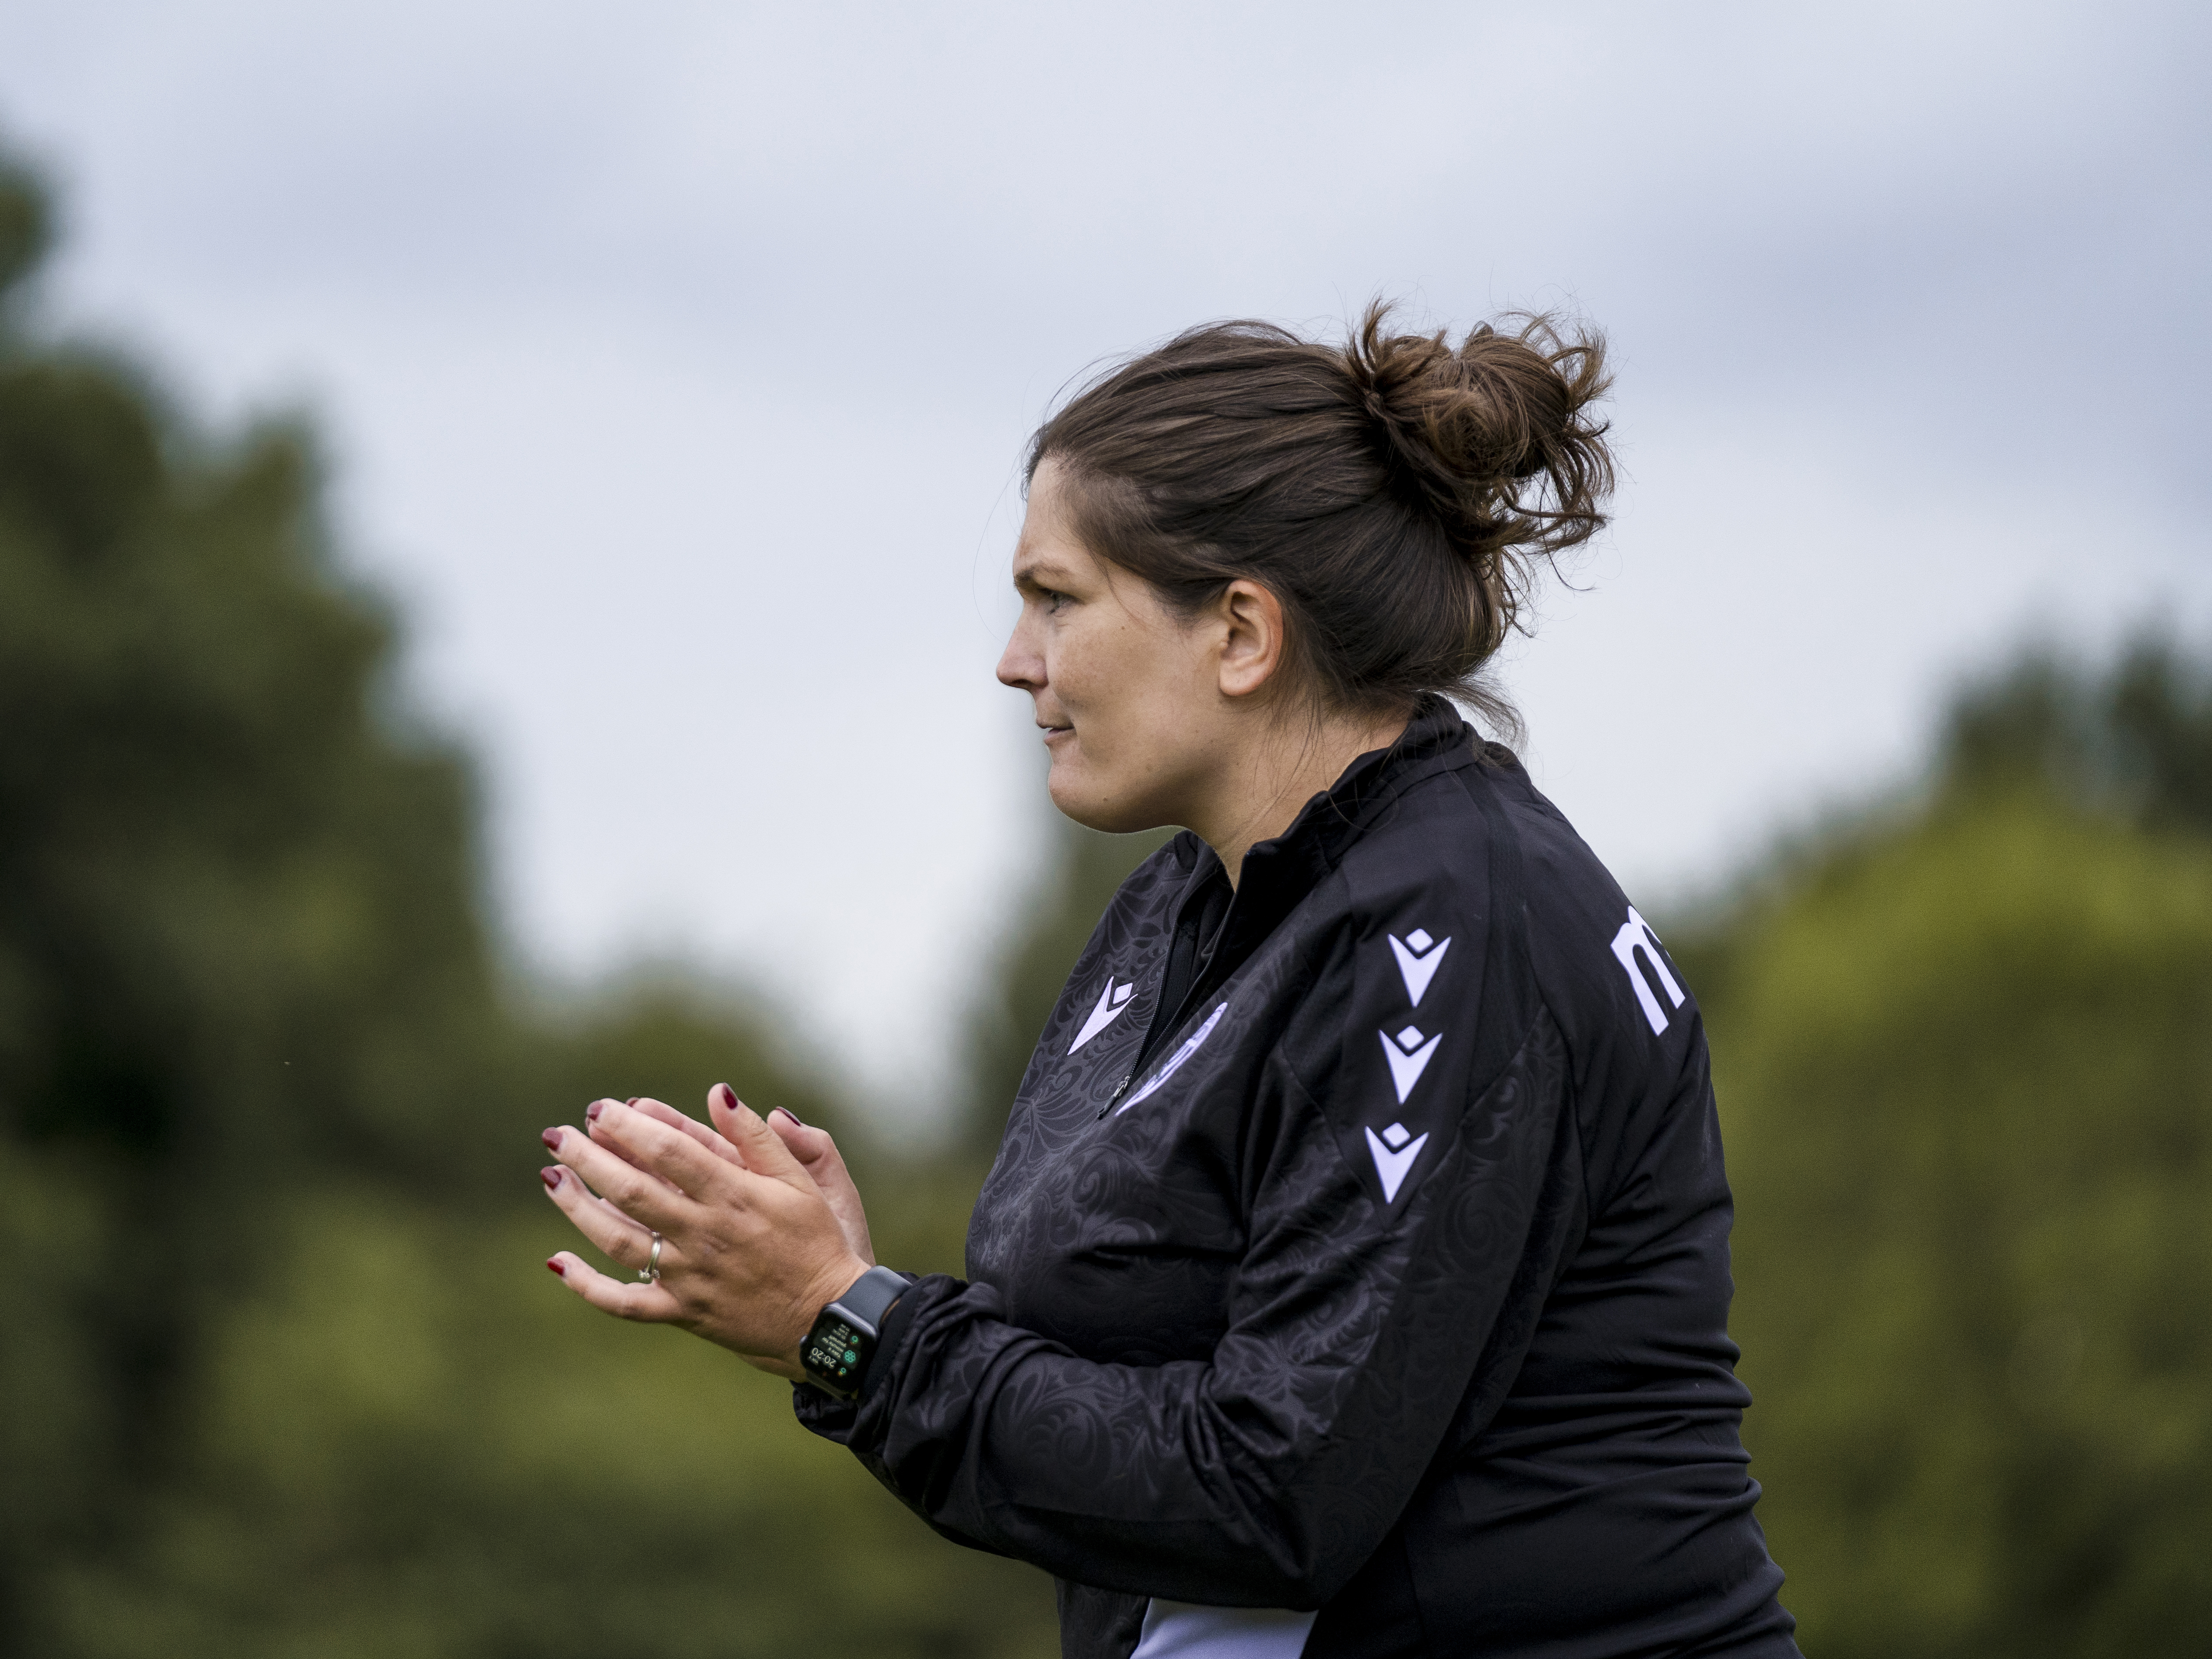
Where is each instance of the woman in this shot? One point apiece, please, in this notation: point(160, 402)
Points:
point(1352, 1278)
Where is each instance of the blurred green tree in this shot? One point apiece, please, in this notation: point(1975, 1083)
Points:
point(2135, 743)
point(283, 1374)
point(1965, 1059)
point(664, 1032)
point(238, 934)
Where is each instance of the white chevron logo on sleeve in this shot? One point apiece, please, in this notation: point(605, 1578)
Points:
point(1408, 1053)
point(1418, 958)
point(1394, 1152)
point(1111, 1001)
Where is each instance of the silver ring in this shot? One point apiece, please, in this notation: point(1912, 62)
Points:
point(650, 1273)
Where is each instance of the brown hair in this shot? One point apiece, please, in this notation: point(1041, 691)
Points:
point(1394, 493)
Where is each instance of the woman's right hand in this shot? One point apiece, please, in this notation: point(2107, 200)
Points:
point(815, 1149)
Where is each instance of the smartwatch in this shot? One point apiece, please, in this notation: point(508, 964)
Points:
point(837, 1350)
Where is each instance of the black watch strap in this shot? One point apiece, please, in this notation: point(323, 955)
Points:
point(837, 1350)
point(871, 1297)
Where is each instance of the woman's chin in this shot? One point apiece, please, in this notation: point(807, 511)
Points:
point(1073, 801)
point(1078, 798)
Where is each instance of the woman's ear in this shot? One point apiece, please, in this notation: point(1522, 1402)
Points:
point(1253, 641)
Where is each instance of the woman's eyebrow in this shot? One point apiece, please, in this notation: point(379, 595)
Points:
point(1040, 573)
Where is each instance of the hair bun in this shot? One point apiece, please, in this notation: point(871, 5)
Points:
point(1471, 427)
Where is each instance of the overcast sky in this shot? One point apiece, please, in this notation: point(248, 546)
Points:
point(675, 361)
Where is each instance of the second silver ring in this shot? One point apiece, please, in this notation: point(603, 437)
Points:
point(650, 1273)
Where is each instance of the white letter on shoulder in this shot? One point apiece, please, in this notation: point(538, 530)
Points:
point(1635, 935)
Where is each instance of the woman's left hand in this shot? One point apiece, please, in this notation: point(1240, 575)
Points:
point(750, 1252)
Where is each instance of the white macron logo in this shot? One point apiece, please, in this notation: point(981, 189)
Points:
point(1635, 935)
point(1418, 958)
point(1394, 1152)
point(1408, 1053)
point(1111, 1001)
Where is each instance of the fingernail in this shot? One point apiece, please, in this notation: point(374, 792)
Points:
point(559, 1271)
point(591, 1112)
point(552, 1139)
point(792, 1116)
point(632, 1100)
point(551, 1177)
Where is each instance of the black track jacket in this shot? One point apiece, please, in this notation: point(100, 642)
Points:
point(1357, 1244)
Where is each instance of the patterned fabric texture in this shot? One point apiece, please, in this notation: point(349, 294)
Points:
point(1384, 1275)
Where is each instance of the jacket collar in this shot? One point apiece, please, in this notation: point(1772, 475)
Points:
point(1279, 873)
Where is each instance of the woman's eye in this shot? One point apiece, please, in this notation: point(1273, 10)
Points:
point(1056, 602)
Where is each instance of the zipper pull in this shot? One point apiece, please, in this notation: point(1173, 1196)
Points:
point(1119, 1088)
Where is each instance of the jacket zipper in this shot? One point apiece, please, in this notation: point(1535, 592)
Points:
point(1188, 959)
point(1119, 1088)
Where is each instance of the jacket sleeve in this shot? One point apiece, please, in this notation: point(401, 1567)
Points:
point(1369, 1332)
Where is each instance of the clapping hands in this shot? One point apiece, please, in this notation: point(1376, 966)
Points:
point(759, 1224)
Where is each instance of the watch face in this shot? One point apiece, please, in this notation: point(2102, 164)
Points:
point(836, 1349)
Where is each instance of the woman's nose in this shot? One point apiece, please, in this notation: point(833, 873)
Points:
point(1021, 665)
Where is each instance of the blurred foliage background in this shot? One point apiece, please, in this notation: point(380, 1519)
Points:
point(281, 1376)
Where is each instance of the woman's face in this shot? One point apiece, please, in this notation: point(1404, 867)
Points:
point(1127, 693)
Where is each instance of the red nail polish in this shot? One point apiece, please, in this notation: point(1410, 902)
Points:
point(591, 1112)
point(632, 1100)
point(552, 1139)
point(559, 1271)
point(792, 1116)
point(551, 1177)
